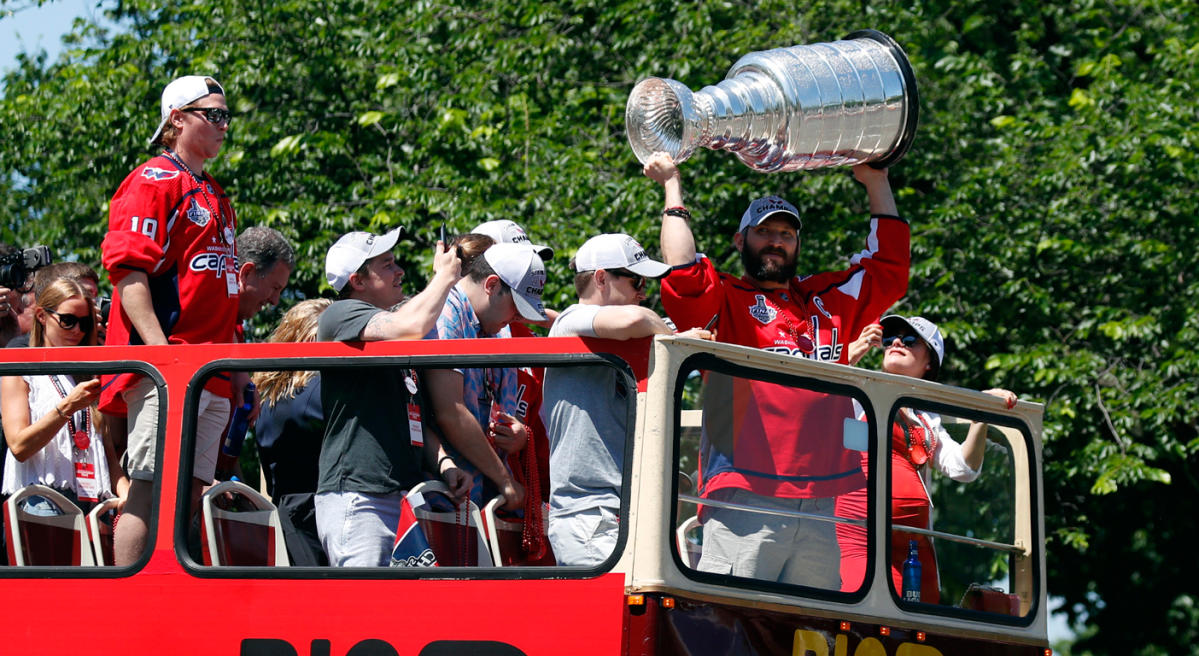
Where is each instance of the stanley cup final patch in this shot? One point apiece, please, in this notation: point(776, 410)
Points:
point(198, 215)
point(761, 311)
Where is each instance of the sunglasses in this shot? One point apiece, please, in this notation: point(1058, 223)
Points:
point(70, 321)
point(639, 282)
point(907, 340)
point(214, 115)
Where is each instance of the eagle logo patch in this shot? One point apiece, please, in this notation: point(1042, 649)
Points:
point(157, 174)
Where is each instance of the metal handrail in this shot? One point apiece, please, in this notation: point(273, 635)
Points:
point(728, 505)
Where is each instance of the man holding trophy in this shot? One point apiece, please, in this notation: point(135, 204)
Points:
point(784, 452)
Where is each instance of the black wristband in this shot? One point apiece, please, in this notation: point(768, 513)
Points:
point(441, 460)
point(680, 212)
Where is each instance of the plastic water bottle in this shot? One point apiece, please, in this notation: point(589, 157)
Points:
point(238, 425)
point(911, 573)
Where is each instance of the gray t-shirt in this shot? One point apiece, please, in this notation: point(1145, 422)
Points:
point(367, 447)
point(587, 411)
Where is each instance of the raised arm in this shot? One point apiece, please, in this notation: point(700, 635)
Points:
point(678, 244)
point(878, 189)
point(975, 445)
point(418, 316)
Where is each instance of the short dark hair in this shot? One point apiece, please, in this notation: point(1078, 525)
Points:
point(583, 282)
point(265, 247)
point(347, 289)
point(76, 271)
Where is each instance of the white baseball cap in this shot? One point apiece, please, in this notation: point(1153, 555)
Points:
point(617, 251)
point(521, 269)
point(352, 250)
point(182, 92)
point(764, 208)
point(504, 231)
point(927, 330)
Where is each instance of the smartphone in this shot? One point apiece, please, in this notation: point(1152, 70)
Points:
point(441, 234)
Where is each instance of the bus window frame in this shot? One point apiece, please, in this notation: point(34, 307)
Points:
point(1030, 452)
point(696, 362)
point(423, 362)
point(99, 367)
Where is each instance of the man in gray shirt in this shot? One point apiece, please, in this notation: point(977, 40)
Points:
point(368, 457)
point(587, 410)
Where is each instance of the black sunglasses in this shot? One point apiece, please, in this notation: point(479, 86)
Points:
point(907, 340)
point(639, 282)
point(70, 321)
point(214, 115)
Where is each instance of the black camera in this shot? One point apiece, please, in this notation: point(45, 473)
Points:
point(16, 268)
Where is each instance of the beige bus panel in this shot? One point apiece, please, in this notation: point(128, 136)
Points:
point(647, 560)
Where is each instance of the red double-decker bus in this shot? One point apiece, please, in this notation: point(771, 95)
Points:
point(648, 597)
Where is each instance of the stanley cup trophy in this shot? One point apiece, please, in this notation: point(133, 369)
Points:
point(803, 107)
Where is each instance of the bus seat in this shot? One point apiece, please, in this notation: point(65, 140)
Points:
point(99, 533)
point(689, 538)
point(504, 537)
point(35, 540)
point(449, 530)
point(248, 533)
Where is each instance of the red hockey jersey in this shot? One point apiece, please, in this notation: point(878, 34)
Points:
point(179, 229)
point(772, 439)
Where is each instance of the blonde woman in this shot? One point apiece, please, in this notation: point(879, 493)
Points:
point(289, 432)
point(49, 421)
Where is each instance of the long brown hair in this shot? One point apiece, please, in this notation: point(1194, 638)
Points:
point(297, 325)
point(50, 298)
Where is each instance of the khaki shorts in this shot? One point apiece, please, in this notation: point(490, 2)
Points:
point(139, 458)
point(772, 547)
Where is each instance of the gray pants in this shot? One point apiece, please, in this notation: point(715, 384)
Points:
point(772, 547)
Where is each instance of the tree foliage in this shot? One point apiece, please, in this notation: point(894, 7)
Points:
point(1050, 190)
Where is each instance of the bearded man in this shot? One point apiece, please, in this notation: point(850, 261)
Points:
point(775, 447)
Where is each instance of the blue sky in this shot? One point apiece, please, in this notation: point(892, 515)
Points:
point(38, 28)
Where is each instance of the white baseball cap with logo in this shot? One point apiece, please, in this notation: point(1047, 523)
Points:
point(925, 329)
point(520, 267)
point(766, 207)
point(504, 231)
point(182, 92)
point(352, 250)
point(617, 251)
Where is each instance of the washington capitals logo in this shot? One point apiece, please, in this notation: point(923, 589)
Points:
point(155, 174)
point(411, 548)
point(198, 215)
point(761, 311)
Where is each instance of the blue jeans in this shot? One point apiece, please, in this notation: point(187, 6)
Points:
point(358, 529)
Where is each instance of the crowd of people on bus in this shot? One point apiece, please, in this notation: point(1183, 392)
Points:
point(340, 447)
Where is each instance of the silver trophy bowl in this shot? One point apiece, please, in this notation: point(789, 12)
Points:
point(803, 107)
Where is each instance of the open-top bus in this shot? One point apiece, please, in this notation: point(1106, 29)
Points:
point(648, 597)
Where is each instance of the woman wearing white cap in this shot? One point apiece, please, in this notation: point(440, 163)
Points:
point(912, 347)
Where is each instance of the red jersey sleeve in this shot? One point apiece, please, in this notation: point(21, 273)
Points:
point(877, 277)
point(138, 215)
point(692, 294)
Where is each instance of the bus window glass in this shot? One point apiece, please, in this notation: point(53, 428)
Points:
point(65, 461)
point(455, 460)
point(765, 463)
point(954, 514)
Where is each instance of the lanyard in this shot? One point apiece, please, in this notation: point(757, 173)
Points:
point(80, 437)
point(203, 184)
